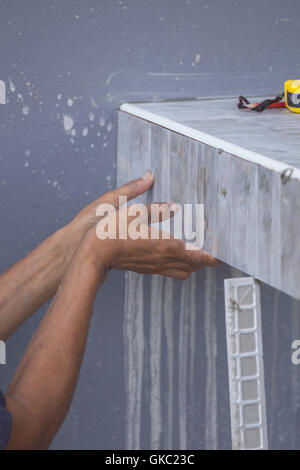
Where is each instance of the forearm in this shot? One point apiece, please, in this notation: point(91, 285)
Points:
point(32, 281)
point(43, 386)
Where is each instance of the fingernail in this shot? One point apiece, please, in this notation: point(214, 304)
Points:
point(190, 247)
point(148, 175)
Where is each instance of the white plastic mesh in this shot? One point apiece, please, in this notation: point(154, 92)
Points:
point(245, 364)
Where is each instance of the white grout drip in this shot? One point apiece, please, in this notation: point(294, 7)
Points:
point(274, 368)
point(155, 360)
point(134, 356)
point(192, 343)
point(211, 435)
point(183, 354)
point(168, 327)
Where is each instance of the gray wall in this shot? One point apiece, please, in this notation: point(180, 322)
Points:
point(98, 54)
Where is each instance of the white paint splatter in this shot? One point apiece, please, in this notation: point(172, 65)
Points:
point(111, 76)
point(109, 127)
point(68, 123)
point(11, 86)
point(196, 60)
point(93, 103)
point(25, 110)
point(85, 131)
point(175, 74)
point(70, 102)
point(102, 121)
point(91, 117)
point(283, 20)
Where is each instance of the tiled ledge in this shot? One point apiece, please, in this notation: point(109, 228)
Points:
point(245, 168)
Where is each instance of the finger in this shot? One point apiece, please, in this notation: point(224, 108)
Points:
point(191, 255)
point(209, 260)
point(131, 189)
point(179, 274)
point(200, 258)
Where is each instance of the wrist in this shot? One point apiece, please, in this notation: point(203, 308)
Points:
point(70, 238)
point(100, 252)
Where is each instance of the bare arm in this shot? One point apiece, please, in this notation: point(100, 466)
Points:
point(34, 279)
point(31, 282)
point(42, 389)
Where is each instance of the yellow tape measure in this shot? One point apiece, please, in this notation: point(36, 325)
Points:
point(292, 95)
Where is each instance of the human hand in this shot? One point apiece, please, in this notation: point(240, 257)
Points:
point(87, 217)
point(154, 252)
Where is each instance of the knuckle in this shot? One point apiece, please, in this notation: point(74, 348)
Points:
point(113, 197)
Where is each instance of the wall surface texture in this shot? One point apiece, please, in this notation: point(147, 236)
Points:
point(67, 66)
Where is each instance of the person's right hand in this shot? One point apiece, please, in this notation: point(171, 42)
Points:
point(168, 257)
